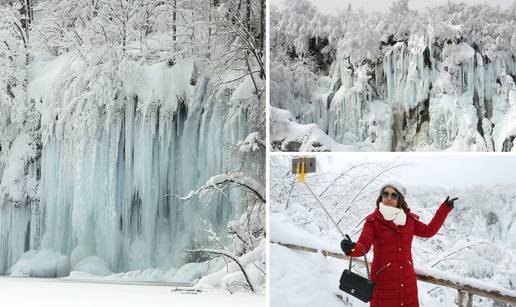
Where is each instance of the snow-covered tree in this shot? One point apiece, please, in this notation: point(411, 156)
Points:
point(20, 145)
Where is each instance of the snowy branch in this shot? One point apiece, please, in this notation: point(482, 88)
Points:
point(383, 171)
point(252, 142)
point(340, 176)
point(225, 254)
point(217, 181)
point(444, 258)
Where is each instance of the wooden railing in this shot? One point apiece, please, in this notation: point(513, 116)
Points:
point(466, 289)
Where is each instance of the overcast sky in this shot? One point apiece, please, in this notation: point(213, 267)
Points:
point(333, 6)
point(437, 169)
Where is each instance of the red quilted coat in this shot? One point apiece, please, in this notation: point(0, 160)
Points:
point(392, 269)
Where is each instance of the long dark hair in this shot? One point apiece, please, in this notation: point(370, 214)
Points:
point(402, 204)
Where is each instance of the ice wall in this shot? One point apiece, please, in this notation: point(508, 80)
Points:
point(422, 96)
point(110, 171)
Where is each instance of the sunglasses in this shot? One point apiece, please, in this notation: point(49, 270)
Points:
point(393, 195)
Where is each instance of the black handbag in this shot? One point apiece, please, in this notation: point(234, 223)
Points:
point(356, 285)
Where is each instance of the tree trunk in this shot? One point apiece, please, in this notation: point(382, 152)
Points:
point(124, 35)
point(26, 16)
point(262, 30)
point(248, 15)
point(209, 30)
point(174, 22)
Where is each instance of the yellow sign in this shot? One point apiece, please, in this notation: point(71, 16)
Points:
point(300, 170)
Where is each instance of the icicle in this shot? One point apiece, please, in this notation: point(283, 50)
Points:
point(107, 187)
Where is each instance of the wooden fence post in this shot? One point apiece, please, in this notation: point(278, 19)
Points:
point(470, 299)
point(463, 300)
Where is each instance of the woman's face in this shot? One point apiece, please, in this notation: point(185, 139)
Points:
point(390, 197)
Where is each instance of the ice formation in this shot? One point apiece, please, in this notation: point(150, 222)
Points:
point(437, 80)
point(112, 163)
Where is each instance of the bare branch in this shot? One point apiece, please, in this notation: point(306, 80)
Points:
point(383, 171)
point(225, 254)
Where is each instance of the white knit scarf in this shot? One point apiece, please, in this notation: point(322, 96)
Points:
point(396, 215)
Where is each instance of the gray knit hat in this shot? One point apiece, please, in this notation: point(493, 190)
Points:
point(396, 185)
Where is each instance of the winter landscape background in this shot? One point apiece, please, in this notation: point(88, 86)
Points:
point(477, 241)
point(440, 78)
point(132, 131)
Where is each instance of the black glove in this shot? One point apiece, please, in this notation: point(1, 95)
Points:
point(347, 245)
point(450, 202)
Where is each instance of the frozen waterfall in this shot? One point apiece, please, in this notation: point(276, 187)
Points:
point(430, 96)
point(110, 170)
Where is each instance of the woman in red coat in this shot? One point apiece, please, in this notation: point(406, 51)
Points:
point(390, 229)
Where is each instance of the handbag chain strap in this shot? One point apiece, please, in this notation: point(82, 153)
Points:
point(366, 265)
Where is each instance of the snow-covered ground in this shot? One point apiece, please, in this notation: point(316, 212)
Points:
point(27, 292)
point(476, 245)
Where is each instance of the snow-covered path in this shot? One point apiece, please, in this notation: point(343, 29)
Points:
point(15, 292)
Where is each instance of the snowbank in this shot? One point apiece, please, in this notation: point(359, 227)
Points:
point(287, 135)
point(282, 231)
point(230, 275)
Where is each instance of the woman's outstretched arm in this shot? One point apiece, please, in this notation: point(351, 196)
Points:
point(364, 242)
point(427, 231)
